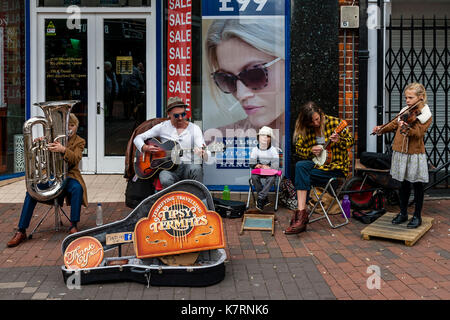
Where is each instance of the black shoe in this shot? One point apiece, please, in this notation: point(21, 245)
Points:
point(414, 223)
point(400, 218)
point(260, 204)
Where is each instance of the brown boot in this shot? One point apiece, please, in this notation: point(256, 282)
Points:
point(294, 218)
point(17, 239)
point(300, 224)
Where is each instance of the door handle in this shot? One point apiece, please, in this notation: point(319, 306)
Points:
point(99, 107)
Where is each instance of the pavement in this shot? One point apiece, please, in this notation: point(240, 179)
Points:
point(319, 264)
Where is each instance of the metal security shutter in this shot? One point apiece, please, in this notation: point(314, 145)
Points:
point(418, 51)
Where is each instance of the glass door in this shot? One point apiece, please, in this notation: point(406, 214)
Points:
point(121, 86)
point(104, 64)
point(67, 72)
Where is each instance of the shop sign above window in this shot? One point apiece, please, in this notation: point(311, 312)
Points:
point(243, 7)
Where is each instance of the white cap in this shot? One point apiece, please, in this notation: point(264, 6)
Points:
point(267, 131)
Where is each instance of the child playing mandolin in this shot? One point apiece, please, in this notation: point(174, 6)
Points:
point(409, 160)
point(264, 156)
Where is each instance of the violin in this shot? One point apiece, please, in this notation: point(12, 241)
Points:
point(408, 115)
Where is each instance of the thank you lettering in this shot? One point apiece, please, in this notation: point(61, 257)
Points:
point(82, 253)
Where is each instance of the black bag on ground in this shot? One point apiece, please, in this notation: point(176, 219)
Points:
point(378, 209)
point(368, 216)
point(229, 208)
point(287, 195)
point(138, 191)
point(376, 160)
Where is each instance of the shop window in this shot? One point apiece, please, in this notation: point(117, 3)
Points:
point(66, 68)
point(12, 86)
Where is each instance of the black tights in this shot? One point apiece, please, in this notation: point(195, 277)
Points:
point(405, 191)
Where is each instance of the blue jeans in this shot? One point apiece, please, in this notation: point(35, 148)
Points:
point(306, 175)
point(182, 172)
point(72, 189)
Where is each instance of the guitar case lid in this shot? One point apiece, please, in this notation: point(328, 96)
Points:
point(208, 269)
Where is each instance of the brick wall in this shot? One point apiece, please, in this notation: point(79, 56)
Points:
point(346, 66)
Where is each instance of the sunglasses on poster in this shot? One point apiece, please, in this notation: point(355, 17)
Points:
point(179, 115)
point(254, 78)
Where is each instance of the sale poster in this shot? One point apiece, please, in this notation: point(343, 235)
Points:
point(179, 49)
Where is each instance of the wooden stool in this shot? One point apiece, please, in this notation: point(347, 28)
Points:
point(384, 228)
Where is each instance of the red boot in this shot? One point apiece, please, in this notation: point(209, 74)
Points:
point(295, 217)
point(299, 225)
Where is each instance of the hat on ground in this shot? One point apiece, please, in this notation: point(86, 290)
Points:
point(173, 102)
point(267, 131)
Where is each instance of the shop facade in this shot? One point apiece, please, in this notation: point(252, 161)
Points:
point(123, 59)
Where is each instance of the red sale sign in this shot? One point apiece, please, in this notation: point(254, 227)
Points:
point(179, 49)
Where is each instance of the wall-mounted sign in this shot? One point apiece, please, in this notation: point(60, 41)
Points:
point(82, 253)
point(179, 49)
point(178, 222)
point(217, 8)
point(124, 65)
point(51, 30)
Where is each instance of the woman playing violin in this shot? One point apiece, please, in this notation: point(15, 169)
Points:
point(409, 160)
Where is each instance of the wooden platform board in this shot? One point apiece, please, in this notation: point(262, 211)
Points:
point(384, 228)
point(263, 222)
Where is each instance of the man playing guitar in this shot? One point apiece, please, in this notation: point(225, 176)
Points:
point(188, 135)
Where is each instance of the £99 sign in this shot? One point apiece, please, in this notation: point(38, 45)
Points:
point(243, 7)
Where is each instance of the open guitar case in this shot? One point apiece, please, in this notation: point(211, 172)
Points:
point(208, 269)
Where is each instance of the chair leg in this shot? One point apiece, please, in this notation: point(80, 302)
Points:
point(248, 198)
point(58, 222)
point(250, 191)
point(335, 198)
point(57, 217)
point(328, 188)
point(39, 223)
point(277, 193)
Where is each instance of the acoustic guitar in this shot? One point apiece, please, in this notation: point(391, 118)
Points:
point(324, 158)
point(146, 164)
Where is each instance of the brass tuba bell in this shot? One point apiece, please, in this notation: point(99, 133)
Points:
point(45, 171)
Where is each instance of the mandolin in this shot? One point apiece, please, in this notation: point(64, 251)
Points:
point(146, 164)
point(324, 158)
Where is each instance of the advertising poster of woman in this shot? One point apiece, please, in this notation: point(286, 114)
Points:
point(243, 81)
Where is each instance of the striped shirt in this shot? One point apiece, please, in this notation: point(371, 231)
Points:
point(339, 158)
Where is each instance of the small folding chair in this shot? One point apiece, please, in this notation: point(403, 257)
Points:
point(266, 172)
point(58, 212)
point(332, 185)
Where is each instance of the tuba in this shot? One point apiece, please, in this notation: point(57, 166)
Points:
point(45, 171)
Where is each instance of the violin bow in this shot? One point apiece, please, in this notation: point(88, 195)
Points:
point(400, 114)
